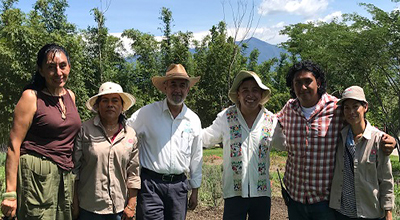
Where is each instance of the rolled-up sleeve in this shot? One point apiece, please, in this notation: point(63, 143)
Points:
point(196, 161)
point(133, 180)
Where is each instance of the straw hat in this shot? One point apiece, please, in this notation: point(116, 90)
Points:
point(174, 71)
point(353, 92)
point(239, 79)
point(111, 88)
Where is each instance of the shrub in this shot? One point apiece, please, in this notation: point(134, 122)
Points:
point(211, 187)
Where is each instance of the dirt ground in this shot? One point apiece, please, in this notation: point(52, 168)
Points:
point(278, 207)
point(278, 211)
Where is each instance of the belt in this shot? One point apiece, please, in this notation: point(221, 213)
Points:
point(169, 178)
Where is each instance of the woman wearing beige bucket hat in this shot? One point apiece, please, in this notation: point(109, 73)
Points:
point(362, 186)
point(247, 131)
point(106, 158)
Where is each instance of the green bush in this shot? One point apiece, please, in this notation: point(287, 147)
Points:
point(210, 192)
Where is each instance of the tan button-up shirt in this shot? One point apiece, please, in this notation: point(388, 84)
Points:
point(105, 169)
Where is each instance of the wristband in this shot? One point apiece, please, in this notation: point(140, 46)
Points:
point(10, 195)
point(130, 208)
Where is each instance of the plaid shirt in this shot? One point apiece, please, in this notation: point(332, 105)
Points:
point(311, 146)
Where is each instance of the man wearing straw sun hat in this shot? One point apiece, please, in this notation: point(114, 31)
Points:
point(246, 130)
point(170, 147)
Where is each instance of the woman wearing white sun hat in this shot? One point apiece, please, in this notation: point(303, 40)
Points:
point(106, 159)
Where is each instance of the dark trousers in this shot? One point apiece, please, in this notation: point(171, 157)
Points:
point(159, 200)
point(316, 211)
point(83, 214)
point(257, 208)
point(340, 216)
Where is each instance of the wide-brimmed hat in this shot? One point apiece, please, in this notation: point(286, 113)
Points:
point(174, 71)
point(353, 92)
point(239, 79)
point(110, 88)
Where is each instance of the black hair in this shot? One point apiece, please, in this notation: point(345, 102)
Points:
point(38, 82)
point(310, 67)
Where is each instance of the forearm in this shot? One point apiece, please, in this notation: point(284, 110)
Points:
point(12, 162)
point(132, 197)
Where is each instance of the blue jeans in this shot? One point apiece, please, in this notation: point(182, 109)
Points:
point(83, 215)
point(316, 211)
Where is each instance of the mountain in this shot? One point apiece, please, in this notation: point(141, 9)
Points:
point(267, 51)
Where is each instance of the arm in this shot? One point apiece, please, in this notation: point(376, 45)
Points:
point(23, 116)
point(278, 138)
point(76, 157)
point(130, 209)
point(213, 134)
point(133, 183)
point(193, 199)
point(385, 180)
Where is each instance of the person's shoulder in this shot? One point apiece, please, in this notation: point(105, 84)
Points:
point(29, 94)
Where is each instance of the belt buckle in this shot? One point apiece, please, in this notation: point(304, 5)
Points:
point(167, 178)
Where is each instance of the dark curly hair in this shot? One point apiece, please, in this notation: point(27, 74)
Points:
point(306, 66)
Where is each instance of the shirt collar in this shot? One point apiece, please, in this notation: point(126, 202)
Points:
point(367, 134)
point(322, 102)
point(166, 109)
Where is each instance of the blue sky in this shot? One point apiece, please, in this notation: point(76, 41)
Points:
point(198, 16)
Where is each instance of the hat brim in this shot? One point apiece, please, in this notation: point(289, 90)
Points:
point(233, 96)
point(340, 102)
point(127, 98)
point(158, 81)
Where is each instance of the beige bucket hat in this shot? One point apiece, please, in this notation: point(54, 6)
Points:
point(110, 88)
point(238, 80)
point(174, 71)
point(353, 92)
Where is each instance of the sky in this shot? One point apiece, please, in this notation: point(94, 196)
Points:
point(198, 16)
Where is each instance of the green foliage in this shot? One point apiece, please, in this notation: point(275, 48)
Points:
point(210, 193)
point(214, 151)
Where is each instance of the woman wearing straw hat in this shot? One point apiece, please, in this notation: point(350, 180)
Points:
point(106, 159)
point(362, 186)
point(246, 130)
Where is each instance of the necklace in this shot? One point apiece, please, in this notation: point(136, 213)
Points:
point(59, 105)
point(113, 128)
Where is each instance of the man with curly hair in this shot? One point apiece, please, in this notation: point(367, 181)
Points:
point(311, 122)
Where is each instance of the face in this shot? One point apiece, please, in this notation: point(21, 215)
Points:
point(176, 91)
point(110, 106)
point(249, 95)
point(354, 111)
point(305, 86)
point(55, 69)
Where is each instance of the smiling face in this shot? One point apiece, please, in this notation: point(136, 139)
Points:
point(55, 69)
point(249, 95)
point(354, 111)
point(176, 91)
point(109, 106)
point(305, 86)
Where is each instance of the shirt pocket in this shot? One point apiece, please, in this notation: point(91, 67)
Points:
point(186, 142)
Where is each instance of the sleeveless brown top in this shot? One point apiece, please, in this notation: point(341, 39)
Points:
point(50, 135)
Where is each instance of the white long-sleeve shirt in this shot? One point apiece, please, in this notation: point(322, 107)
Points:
point(169, 145)
point(245, 151)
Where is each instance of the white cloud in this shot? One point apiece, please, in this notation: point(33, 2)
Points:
point(305, 8)
point(329, 18)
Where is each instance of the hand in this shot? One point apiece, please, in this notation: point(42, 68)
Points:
point(388, 143)
point(193, 199)
point(75, 211)
point(388, 215)
point(9, 207)
point(129, 213)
